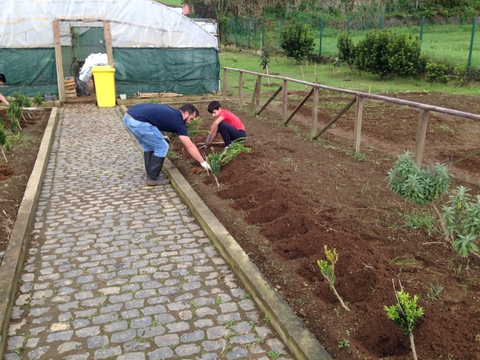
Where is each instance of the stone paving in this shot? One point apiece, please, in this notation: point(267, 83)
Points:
point(116, 269)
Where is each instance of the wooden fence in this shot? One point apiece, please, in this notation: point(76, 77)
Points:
point(357, 99)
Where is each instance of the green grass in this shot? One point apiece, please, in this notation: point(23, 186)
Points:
point(342, 77)
point(449, 44)
point(171, 2)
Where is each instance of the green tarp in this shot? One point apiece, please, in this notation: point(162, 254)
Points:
point(179, 70)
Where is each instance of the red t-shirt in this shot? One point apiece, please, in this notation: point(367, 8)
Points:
point(231, 119)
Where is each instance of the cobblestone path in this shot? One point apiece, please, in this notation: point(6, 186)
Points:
point(116, 269)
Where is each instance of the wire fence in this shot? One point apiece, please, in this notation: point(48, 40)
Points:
point(450, 41)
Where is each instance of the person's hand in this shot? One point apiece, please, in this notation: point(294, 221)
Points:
point(206, 166)
point(209, 140)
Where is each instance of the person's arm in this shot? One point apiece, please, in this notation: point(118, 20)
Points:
point(191, 148)
point(4, 100)
point(214, 129)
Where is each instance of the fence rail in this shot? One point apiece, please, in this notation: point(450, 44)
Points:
point(358, 99)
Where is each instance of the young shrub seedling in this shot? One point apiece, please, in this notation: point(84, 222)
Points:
point(216, 160)
point(461, 217)
point(405, 314)
point(419, 186)
point(327, 267)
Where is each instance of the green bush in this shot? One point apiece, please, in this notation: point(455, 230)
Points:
point(297, 41)
point(436, 73)
point(404, 54)
point(372, 52)
point(419, 186)
point(346, 49)
point(385, 52)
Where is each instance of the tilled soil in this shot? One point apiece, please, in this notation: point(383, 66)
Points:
point(291, 196)
point(15, 170)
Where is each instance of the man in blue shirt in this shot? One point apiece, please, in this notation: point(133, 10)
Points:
point(146, 122)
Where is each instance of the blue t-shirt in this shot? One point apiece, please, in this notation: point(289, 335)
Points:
point(164, 117)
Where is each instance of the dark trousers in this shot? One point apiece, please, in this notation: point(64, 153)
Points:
point(229, 133)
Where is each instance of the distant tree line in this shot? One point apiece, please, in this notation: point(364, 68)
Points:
point(334, 8)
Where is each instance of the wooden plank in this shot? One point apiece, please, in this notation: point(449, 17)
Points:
point(58, 59)
point(420, 138)
point(358, 125)
point(314, 112)
point(299, 106)
point(467, 156)
point(108, 41)
point(269, 100)
point(335, 118)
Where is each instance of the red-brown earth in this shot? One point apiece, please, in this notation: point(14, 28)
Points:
point(291, 196)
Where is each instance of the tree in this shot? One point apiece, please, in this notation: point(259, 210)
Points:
point(297, 41)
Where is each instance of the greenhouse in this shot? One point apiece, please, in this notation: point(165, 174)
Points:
point(152, 47)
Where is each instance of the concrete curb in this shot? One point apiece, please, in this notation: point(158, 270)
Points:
point(12, 264)
point(290, 328)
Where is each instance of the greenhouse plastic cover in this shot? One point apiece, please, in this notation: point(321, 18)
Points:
point(133, 23)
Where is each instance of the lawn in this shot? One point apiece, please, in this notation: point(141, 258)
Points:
point(326, 74)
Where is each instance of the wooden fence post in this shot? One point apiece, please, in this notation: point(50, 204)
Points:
point(58, 60)
point(284, 100)
point(358, 125)
point(314, 112)
point(240, 88)
point(224, 85)
point(256, 94)
point(420, 138)
point(259, 91)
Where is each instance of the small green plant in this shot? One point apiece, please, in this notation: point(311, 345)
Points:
point(434, 292)
point(327, 268)
point(274, 355)
point(38, 100)
point(194, 128)
point(344, 343)
point(420, 186)
point(461, 218)
point(217, 159)
point(436, 73)
point(405, 314)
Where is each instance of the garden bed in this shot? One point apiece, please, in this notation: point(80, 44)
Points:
point(15, 172)
point(291, 196)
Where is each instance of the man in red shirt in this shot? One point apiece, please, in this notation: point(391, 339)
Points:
point(226, 123)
